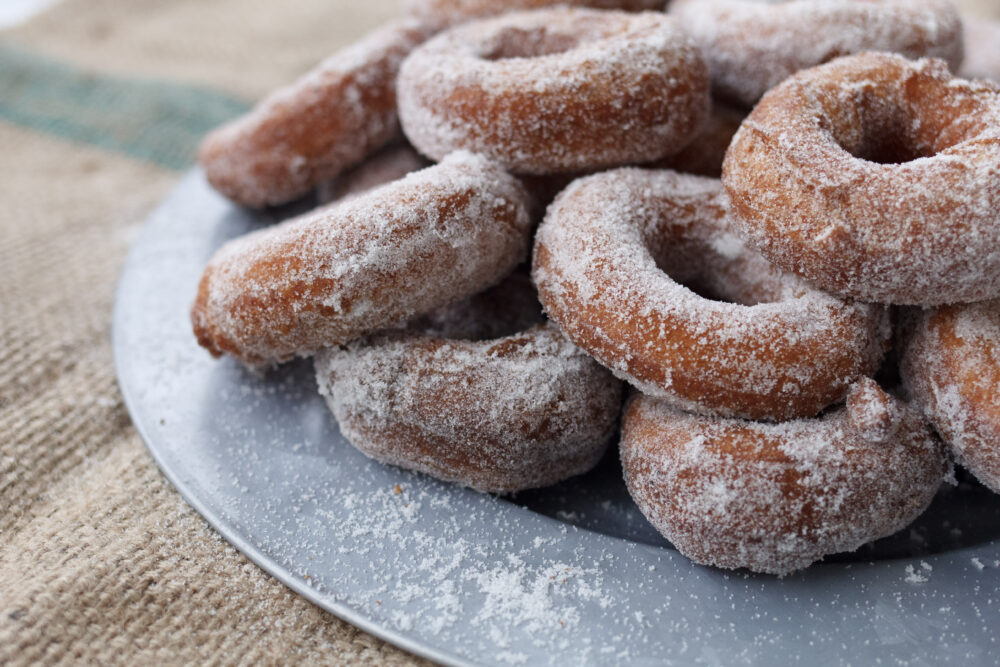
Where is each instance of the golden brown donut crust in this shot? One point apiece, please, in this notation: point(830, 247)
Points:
point(776, 497)
point(511, 412)
point(777, 350)
point(752, 46)
point(308, 132)
point(951, 367)
point(436, 236)
point(876, 178)
point(559, 90)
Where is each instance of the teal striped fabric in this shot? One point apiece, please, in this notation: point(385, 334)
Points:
point(155, 121)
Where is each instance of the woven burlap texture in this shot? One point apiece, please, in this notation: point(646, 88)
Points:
point(100, 560)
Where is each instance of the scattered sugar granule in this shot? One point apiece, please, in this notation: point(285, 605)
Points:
point(913, 577)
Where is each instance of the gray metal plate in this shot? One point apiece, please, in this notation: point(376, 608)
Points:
point(567, 575)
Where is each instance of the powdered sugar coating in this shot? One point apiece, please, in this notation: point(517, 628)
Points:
point(520, 411)
point(389, 164)
point(451, 12)
point(780, 350)
point(876, 178)
point(982, 49)
point(872, 413)
point(310, 131)
point(752, 46)
point(774, 498)
point(951, 367)
point(558, 90)
point(403, 249)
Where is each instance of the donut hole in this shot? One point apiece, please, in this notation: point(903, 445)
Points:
point(891, 129)
point(712, 270)
point(704, 289)
point(514, 42)
point(711, 288)
point(744, 293)
point(890, 140)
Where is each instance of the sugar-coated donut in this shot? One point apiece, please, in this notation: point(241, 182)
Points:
point(705, 154)
point(982, 49)
point(391, 163)
point(776, 497)
point(875, 177)
point(310, 131)
point(450, 12)
point(436, 236)
point(778, 349)
point(468, 395)
point(951, 368)
point(751, 46)
point(557, 90)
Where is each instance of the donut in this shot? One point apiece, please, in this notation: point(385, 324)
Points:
point(310, 131)
point(389, 164)
point(752, 46)
point(705, 154)
point(951, 368)
point(611, 262)
point(982, 49)
point(475, 394)
point(774, 498)
point(557, 90)
point(449, 12)
point(436, 236)
point(876, 178)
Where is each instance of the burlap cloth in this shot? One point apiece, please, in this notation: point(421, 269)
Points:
point(101, 104)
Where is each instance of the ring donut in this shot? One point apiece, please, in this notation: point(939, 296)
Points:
point(876, 178)
point(310, 131)
point(436, 236)
point(449, 12)
point(951, 368)
point(774, 498)
point(473, 395)
point(777, 349)
point(558, 90)
point(752, 46)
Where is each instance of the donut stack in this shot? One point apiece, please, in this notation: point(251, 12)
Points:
point(858, 211)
